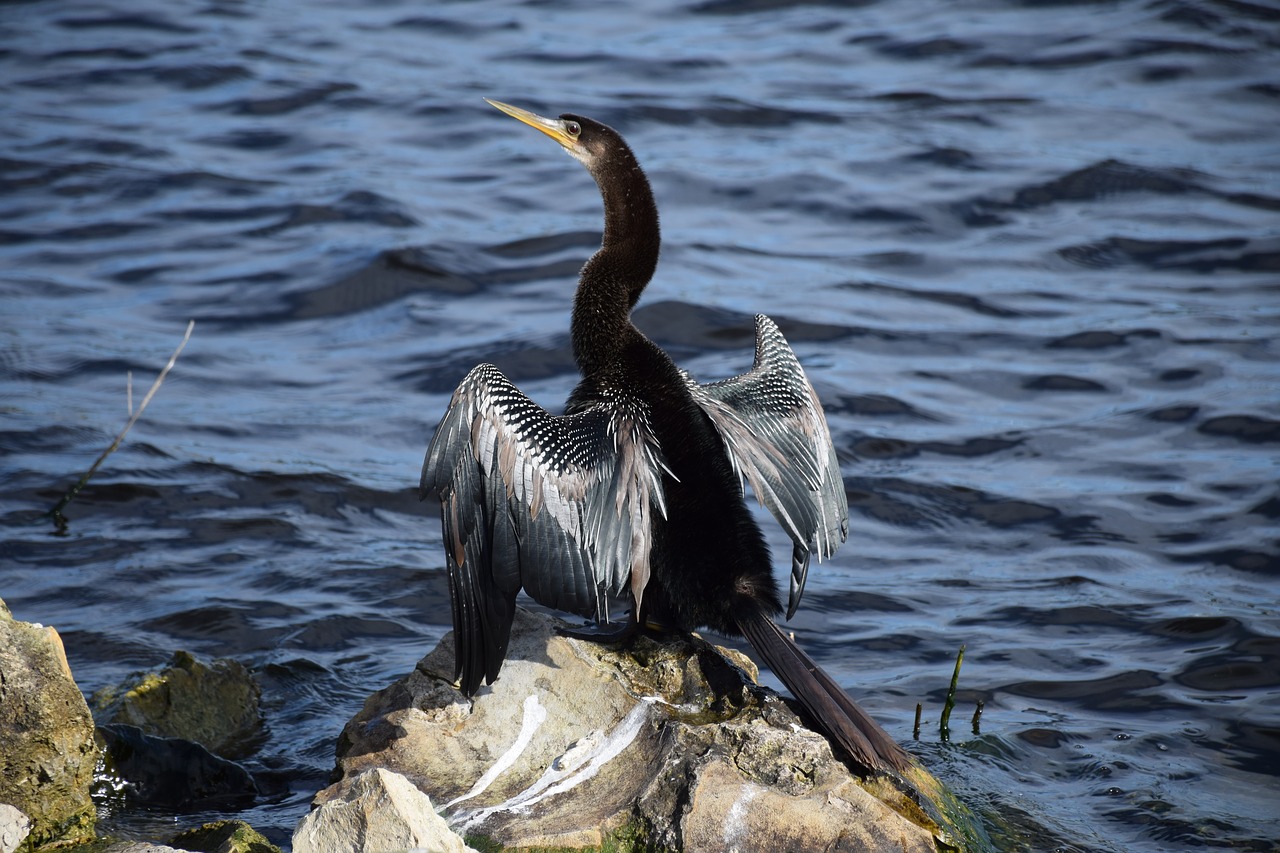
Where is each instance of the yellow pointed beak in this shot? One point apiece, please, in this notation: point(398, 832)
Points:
point(556, 128)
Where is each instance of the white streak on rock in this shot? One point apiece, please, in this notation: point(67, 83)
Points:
point(534, 716)
point(578, 764)
point(735, 822)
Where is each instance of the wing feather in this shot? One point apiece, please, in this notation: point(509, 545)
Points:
point(557, 504)
point(777, 438)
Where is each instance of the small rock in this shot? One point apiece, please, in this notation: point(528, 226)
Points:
point(374, 812)
point(47, 750)
point(224, 836)
point(14, 828)
point(216, 705)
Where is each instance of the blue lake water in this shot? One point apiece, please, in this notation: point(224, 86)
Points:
point(1028, 252)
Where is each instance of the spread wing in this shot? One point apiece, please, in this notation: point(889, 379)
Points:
point(557, 504)
point(777, 437)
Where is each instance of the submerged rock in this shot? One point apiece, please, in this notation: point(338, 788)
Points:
point(144, 770)
point(216, 705)
point(223, 836)
point(374, 812)
point(47, 749)
point(665, 745)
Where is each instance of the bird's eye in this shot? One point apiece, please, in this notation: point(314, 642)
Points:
point(572, 128)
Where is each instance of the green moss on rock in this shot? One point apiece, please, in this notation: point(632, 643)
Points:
point(216, 705)
point(224, 836)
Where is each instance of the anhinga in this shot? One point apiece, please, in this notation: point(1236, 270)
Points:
point(638, 486)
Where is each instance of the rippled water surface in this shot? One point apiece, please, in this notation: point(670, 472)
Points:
point(1029, 253)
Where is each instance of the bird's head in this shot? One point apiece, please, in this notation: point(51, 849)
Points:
point(596, 146)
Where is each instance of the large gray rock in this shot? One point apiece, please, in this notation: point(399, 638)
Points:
point(47, 749)
point(215, 705)
point(669, 745)
point(374, 812)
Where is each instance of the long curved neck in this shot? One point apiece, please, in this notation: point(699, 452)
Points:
point(613, 279)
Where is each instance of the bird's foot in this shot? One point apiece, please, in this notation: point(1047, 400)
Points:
point(618, 636)
point(605, 636)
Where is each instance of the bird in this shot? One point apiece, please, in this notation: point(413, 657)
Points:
point(635, 494)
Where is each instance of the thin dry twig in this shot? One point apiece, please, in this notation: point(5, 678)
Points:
point(58, 518)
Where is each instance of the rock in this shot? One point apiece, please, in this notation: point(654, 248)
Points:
point(215, 705)
point(665, 745)
point(14, 828)
point(224, 836)
point(374, 812)
point(47, 749)
point(144, 770)
point(109, 845)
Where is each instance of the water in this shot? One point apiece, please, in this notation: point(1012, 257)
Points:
point(1029, 253)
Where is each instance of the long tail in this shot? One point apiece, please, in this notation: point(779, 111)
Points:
point(867, 746)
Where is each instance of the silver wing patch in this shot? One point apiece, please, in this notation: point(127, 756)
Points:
point(557, 504)
point(777, 437)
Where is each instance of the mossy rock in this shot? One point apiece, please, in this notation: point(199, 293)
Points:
point(215, 705)
point(224, 836)
point(47, 748)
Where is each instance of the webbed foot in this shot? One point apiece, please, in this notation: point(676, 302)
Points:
point(611, 636)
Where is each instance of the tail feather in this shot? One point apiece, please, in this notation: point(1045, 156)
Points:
point(866, 744)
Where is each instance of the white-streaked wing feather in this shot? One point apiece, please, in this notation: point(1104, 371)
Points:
point(557, 504)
